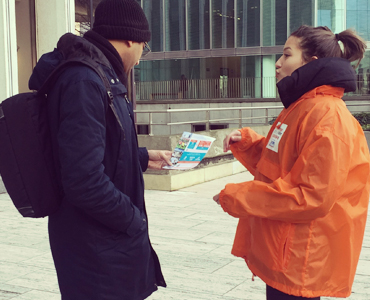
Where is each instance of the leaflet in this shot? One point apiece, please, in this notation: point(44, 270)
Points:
point(189, 151)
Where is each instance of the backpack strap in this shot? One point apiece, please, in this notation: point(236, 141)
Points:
point(53, 77)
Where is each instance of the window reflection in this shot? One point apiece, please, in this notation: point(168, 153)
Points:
point(175, 25)
point(274, 22)
point(207, 78)
point(212, 24)
point(198, 24)
point(223, 23)
point(248, 20)
point(331, 14)
point(83, 17)
point(154, 12)
point(358, 17)
point(301, 12)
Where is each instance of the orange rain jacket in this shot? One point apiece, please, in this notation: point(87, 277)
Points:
point(302, 220)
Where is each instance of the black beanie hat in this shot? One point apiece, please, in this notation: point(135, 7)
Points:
point(121, 20)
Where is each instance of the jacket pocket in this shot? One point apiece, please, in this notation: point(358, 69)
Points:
point(285, 246)
point(271, 243)
point(138, 224)
point(132, 242)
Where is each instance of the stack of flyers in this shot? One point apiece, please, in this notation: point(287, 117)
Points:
point(189, 151)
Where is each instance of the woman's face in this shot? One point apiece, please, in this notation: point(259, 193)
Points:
point(291, 59)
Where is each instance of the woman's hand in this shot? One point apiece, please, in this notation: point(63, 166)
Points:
point(158, 159)
point(234, 137)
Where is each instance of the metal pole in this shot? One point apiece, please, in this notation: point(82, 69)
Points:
point(150, 124)
point(164, 25)
point(210, 25)
point(288, 18)
point(235, 24)
point(207, 119)
point(240, 118)
point(186, 26)
point(261, 23)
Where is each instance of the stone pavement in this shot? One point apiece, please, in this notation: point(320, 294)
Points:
point(191, 234)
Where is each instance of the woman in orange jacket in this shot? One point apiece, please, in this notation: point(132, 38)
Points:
point(302, 218)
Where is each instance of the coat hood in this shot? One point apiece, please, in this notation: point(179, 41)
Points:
point(69, 46)
point(333, 71)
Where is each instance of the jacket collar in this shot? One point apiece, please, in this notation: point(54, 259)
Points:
point(110, 53)
point(332, 71)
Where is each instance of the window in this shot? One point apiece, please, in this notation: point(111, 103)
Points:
point(199, 127)
point(154, 12)
point(301, 13)
point(223, 23)
point(331, 13)
point(142, 129)
point(202, 127)
point(198, 24)
point(175, 25)
point(218, 126)
point(248, 23)
point(83, 16)
point(274, 22)
point(358, 17)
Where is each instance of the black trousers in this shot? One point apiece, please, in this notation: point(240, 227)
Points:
point(273, 294)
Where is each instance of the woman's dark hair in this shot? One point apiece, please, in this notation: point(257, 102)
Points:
point(322, 42)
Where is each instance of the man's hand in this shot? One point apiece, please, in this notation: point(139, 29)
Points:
point(216, 198)
point(158, 159)
point(234, 137)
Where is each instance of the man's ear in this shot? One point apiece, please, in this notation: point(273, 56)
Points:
point(313, 58)
point(129, 43)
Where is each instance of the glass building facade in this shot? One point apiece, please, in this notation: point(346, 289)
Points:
point(358, 17)
point(228, 48)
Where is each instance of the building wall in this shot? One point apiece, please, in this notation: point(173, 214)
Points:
point(26, 42)
point(225, 48)
point(254, 113)
point(358, 16)
point(53, 19)
point(225, 39)
point(8, 50)
point(28, 29)
point(201, 39)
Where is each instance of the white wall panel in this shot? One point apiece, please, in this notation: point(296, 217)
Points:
point(8, 50)
point(53, 19)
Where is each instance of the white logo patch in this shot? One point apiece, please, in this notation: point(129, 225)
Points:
point(276, 136)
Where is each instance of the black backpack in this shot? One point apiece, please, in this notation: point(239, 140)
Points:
point(26, 157)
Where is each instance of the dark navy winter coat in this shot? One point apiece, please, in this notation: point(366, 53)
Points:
point(99, 236)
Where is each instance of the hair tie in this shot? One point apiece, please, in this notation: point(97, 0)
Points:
point(337, 36)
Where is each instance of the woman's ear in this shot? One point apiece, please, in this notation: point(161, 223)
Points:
point(313, 58)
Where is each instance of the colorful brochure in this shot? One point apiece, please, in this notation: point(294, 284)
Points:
point(189, 151)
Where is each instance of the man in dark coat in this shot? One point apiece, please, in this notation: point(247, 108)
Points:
point(99, 235)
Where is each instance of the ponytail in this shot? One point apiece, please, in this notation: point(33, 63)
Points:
point(353, 46)
point(322, 42)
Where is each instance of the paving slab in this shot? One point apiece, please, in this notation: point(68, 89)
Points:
point(191, 234)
